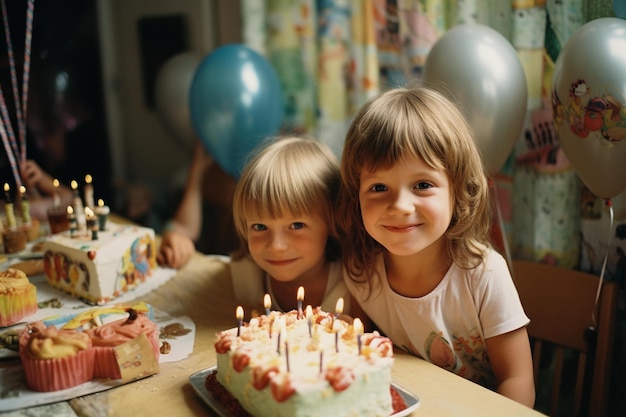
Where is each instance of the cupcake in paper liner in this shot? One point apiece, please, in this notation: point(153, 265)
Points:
point(107, 336)
point(55, 359)
point(18, 297)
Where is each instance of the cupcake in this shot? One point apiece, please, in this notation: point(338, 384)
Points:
point(18, 297)
point(107, 336)
point(55, 359)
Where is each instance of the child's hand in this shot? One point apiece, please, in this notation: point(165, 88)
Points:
point(176, 250)
point(35, 178)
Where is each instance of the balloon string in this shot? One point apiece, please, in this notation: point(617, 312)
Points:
point(606, 254)
point(7, 148)
point(13, 72)
point(500, 218)
point(26, 75)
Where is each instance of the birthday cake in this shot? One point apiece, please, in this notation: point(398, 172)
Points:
point(98, 267)
point(290, 364)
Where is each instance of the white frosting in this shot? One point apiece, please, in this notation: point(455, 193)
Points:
point(367, 394)
point(121, 258)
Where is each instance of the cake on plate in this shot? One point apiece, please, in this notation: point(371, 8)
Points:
point(18, 297)
point(99, 266)
point(64, 352)
point(305, 364)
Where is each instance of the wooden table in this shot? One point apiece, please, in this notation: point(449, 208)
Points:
point(202, 291)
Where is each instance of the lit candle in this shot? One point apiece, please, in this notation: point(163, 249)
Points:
point(71, 217)
point(358, 329)
point(92, 223)
point(267, 302)
point(339, 307)
point(79, 209)
point(336, 325)
point(300, 298)
point(102, 212)
point(287, 356)
point(8, 207)
point(89, 192)
point(239, 316)
point(56, 202)
point(25, 205)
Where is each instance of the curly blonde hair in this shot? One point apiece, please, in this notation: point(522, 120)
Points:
point(289, 176)
point(419, 122)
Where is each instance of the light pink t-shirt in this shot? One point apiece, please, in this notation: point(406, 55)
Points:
point(448, 326)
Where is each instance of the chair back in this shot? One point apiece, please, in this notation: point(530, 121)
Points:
point(571, 356)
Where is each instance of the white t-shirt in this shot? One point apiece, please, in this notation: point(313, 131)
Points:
point(251, 283)
point(448, 326)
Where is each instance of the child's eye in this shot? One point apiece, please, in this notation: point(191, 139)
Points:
point(297, 225)
point(423, 185)
point(258, 227)
point(378, 188)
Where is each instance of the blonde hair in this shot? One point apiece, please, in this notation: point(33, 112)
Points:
point(418, 122)
point(289, 176)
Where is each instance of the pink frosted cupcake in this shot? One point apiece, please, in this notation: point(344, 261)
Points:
point(55, 359)
point(107, 336)
point(18, 297)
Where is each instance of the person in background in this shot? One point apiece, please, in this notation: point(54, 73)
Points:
point(203, 219)
point(414, 219)
point(284, 214)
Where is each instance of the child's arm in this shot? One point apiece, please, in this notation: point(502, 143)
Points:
point(177, 245)
point(511, 360)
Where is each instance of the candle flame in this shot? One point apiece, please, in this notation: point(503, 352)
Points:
point(267, 301)
point(88, 212)
point(100, 202)
point(300, 294)
point(357, 325)
point(88, 179)
point(22, 189)
point(74, 185)
point(336, 326)
point(308, 312)
point(6, 186)
point(55, 183)
point(239, 313)
point(339, 306)
point(70, 210)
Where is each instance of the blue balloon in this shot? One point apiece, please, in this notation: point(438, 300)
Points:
point(235, 101)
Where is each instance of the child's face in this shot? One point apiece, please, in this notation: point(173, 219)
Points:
point(288, 248)
point(406, 208)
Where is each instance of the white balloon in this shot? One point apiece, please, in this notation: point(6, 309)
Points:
point(172, 96)
point(476, 67)
point(589, 103)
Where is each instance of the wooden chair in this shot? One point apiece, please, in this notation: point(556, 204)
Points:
point(559, 303)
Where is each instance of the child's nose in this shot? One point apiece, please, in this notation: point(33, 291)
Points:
point(403, 203)
point(278, 241)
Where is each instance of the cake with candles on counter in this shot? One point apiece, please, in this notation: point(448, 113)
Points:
point(304, 363)
point(99, 265)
